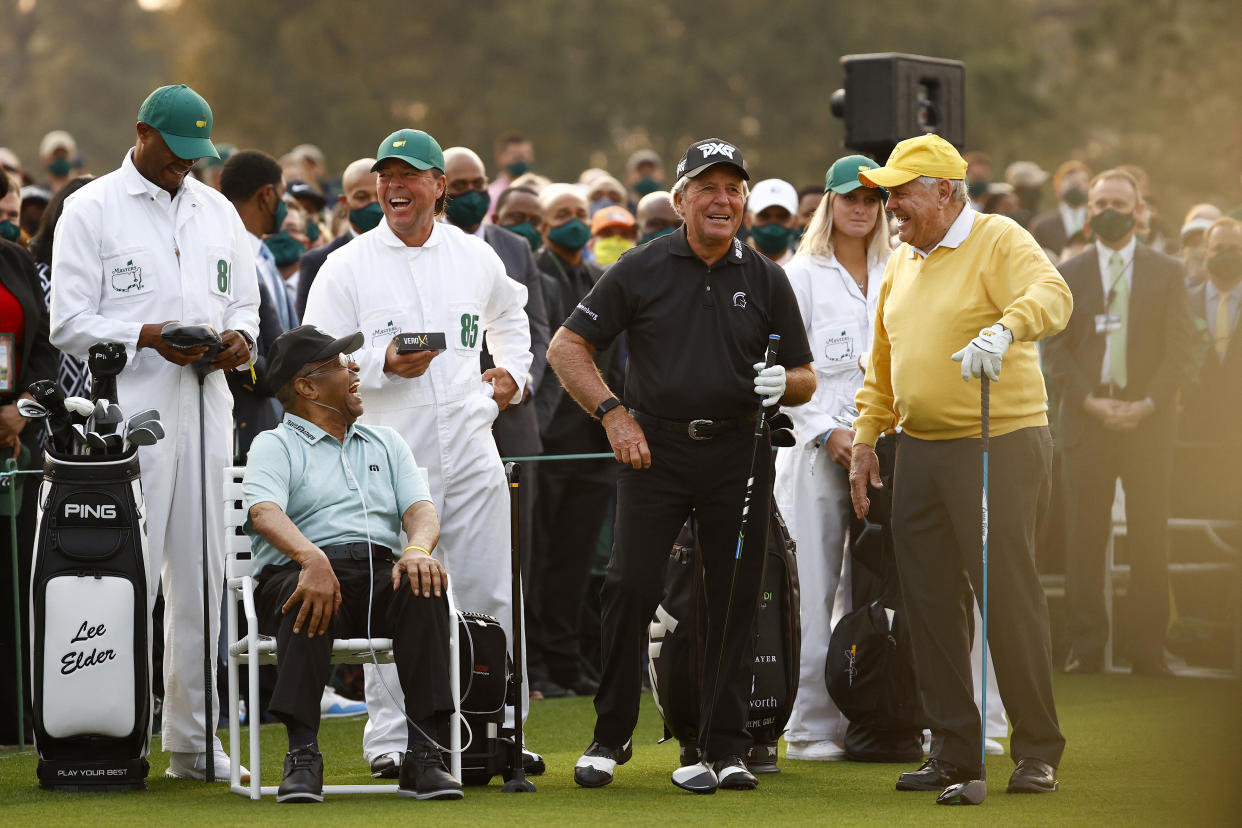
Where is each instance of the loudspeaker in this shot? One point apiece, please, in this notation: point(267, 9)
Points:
point(889, 97)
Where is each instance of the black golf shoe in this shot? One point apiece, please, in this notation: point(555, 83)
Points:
point(596, 767)
point(423, 775)
point(303, 779)
point(934, 775)
point(386, 765)
point(733, 775)
point(1033, 776)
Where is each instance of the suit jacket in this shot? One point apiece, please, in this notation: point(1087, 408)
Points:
point(255, 408)
point(1157, 338)
point(1049, 230)
point(517, 429)
point(1212, 400)
point(308, 269)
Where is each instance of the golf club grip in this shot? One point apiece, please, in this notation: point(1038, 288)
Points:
point(984, 408)
point(774, 347)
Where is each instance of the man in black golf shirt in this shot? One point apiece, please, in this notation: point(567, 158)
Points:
point(697, 307)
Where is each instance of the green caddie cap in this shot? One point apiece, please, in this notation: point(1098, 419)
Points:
point(842, 176)
point(183, 118)
point(414, 147)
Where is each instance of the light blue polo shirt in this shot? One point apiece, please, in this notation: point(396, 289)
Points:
point(302, 469)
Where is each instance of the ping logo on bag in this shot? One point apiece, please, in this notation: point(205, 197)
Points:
point(90, 509)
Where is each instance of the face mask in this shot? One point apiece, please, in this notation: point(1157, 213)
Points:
point(312, 230)
point(649, 236)
point(10, 231)
point(772, 238)
point(279, 216)
point(516, 169)
point(1110, 225)
point(469, 208)
point(1074, 196)
point(977, 189)
point(646, 185)
point(599, 204)
point(527, 231)
point(285, 248)
point(610, 249)
point(366, 218)
point(571, 235)
point(1226, 266)
point(60, 167)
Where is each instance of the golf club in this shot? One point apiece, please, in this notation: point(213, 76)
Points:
point(59, 423)
point(31, 410)
point(105, 360)
point(976, 790)
point(154, 426)
point(108, 416)
point(517, 783)
point(142, 417)
point(142, 436)
point(189, 337)
point(96, 443)
point(114, 444)
point(700, 778)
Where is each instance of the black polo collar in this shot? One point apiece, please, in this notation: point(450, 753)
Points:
point(679, 245)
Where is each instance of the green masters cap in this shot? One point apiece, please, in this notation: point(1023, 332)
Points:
point(842, 176)
point(414, 147)
point(183, 118)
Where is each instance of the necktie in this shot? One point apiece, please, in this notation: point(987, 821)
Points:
point(1222, 325)
point(1119, 307)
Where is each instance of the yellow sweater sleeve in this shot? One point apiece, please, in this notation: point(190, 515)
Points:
point(1025, 283)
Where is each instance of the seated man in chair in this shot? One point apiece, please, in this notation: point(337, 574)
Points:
point(327, 501)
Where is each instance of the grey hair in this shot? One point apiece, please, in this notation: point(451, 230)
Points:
point(679, 189)
point(957, 195)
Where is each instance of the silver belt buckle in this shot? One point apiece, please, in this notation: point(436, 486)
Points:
point(693, 429)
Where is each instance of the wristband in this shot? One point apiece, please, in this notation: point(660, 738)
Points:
point(606, 406)
point(419, 548)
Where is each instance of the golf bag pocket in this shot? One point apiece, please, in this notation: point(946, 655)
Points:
point(88, 656)
point(485, 668)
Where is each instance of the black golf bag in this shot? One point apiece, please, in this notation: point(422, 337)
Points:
point(678, 631)
point(485, 667)
point(870, 670)
point(90, 625)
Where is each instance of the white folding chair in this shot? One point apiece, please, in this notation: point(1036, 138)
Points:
point(253, 649)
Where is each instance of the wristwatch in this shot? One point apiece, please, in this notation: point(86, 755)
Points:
point(606, 406)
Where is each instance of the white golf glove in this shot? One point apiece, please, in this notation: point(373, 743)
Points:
point(769, 383)
point(985, 352)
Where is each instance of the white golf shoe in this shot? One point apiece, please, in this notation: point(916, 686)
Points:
point(194, 766)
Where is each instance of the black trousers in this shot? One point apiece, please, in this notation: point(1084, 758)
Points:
point(937, 532)
point(573, 497)
point(418, 627)
point(706, 479)
point(1090, 469)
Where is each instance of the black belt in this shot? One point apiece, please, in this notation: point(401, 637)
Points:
point(701, 429)
point(356, 551)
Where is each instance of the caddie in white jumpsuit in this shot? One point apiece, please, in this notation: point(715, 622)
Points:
point(413, 274)
point(139, 247)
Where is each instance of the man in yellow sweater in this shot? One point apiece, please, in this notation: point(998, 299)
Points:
point(975, 289)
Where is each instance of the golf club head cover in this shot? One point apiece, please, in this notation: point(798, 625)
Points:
point(187, 337)
point(105, 360)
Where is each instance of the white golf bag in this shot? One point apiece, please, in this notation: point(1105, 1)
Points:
point(90, 625)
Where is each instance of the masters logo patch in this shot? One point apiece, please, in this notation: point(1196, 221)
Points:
point(128, 278)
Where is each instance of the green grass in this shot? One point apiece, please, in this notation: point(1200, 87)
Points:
point(1140, 752)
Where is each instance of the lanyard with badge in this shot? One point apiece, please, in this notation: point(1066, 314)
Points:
point(1109, 322)
point(7, 348)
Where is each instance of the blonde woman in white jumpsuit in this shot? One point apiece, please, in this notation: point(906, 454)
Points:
point(413, 274)
point(140, 246)
point(836, 276)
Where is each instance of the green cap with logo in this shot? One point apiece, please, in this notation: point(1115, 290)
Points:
point(414, 147)
point(183, 118)
point(842, 176)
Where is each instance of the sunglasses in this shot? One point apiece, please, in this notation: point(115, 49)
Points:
point(342, 362)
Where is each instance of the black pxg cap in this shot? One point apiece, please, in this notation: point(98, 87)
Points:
point(706, 153)
point(294, 349)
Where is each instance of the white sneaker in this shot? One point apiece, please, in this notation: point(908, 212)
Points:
point(194, 766)
point(993, 748)
point(822, 751)
point(335, 706)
